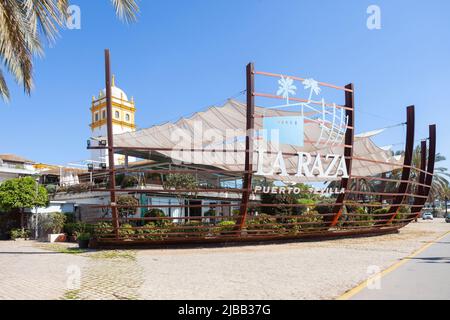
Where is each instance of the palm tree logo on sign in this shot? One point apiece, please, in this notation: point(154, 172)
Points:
point(332, 120)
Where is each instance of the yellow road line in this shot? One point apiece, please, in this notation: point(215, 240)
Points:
point(349, 294)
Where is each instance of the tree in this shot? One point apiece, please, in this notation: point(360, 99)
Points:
point(186, 183)
point(22, 193)
point(23, 23)
point(127, 206)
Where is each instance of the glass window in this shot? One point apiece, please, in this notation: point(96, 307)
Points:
point(117, 114)
point(104, 114)
point(127, 117)
point(96, 117)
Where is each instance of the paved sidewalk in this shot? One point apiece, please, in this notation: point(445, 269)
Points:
point(313, 270)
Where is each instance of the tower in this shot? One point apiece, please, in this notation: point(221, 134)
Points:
point(123, 120)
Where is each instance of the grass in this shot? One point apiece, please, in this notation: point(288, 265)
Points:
point(115, 254)
point(72, 295)
point(63, 249)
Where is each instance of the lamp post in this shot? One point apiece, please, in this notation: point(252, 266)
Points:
point(36, 215)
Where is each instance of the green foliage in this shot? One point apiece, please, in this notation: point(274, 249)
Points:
point(126, 230)
point(307, 204)
point(129, 203)
point(104, 230)
point(54, 222)
point(19, 234)
point(226, 225)
point(181, 182)
point(158, 213)
point(73, 229)
point(83, 236)
point(129, 182)
point(152, 232)
point(22, 193)
point(193, 227)
point(262, 222)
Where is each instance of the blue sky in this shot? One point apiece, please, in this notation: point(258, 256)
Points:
point(183, 56)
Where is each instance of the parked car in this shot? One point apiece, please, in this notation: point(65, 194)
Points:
point(427, 216)
point(447, 219)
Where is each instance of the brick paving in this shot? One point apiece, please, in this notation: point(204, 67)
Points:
point(32, 270)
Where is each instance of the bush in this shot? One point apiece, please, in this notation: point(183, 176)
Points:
point(403, 213)
point(151, 232)
point(262, 222)
point(307, 202)
point(54, 222)
point(224, 226)
point(72, 229)
point(104, 230)
point(126, 230)
point(19, 234)
point(129, 204)
point(158, 213)
point(129, 182)
point(312, 220)
point(193, 227)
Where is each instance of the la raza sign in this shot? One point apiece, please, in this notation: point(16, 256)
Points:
point(320, 167)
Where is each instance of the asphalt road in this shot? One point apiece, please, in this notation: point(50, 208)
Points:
point(425, 276)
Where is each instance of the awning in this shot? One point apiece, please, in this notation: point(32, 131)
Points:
point(223, 128)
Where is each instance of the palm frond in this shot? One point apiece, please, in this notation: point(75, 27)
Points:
point(4, 91)
point(126, 10)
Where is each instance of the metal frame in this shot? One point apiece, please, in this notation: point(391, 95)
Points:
point(330, 224)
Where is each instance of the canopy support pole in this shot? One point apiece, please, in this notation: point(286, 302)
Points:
point(109, 124)
point(247, 183)
point(338, 210)
point(406, 171)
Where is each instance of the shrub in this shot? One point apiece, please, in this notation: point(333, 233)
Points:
point(129, 204)
point(311, 220)
point(129, 182)
point(262, 222)
point(104, 230)
point(403, 213)
point(72, 229)
point(151, 232)
point(226, 225)
point(54, 222)
point(193, 227)
point(126, 230)
point(158, 213)
point(307, 202)
point(19, 234)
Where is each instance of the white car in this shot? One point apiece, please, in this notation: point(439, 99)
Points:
point(427, 216)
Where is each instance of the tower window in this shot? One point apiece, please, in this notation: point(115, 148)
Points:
point(117, 114)
point(96, 117)
point(127, 117)
point(104, 114)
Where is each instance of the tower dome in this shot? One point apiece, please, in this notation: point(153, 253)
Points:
point(116, 92)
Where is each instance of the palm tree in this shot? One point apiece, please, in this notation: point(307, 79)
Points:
point(23, 24)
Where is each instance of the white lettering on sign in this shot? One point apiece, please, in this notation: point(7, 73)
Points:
point(332, 167)
point(297, 190)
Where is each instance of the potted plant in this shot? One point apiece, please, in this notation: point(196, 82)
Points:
point(83, 240)
point(53, 224)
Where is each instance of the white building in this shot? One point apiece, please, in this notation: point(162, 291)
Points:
point(123, 113)
point(12, 166)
